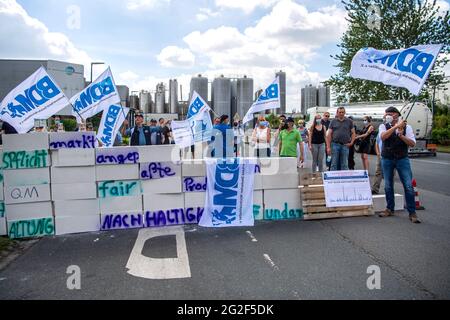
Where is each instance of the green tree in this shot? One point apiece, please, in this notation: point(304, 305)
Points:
point(401, 24)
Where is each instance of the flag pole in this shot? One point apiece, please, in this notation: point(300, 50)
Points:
point(410, 110)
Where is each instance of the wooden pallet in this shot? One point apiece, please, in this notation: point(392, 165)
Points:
point(314, 203)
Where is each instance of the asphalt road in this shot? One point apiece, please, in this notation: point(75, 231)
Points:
point(290, 260)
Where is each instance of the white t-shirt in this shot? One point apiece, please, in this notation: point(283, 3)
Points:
point(409, 134)
point(261, 136)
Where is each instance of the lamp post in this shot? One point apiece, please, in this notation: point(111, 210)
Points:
point(92, 66)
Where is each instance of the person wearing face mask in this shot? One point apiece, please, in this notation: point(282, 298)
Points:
point(317, 143)
point(238, 138)
point(364, 141)
point(261, 138)
point(305, 138)
point(397, 137)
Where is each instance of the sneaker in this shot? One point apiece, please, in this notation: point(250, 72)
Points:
point(414, 218)
point(386, 213)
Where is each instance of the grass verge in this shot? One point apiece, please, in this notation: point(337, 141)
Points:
point(445, 149)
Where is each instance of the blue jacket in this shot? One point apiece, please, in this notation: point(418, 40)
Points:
point(222, 128)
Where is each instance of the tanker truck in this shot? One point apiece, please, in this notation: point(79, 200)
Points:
point(420, 118)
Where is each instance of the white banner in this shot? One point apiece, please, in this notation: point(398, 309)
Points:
point(198, 105)
point(347, 188)
point(229, 198)
point(182, 133)
point(112, 119)
point(270, 99)
point(38, 97)
point(406, 68)
point(98, 96)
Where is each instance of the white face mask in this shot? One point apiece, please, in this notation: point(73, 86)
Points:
point(389, 119)
point(366, 122)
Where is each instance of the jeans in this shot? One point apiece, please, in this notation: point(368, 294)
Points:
point(263, 153)
point(318, 154)
point(339, 155)
point(403, 167)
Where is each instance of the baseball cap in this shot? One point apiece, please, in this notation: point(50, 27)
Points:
point(392, 110)
point(290, 119)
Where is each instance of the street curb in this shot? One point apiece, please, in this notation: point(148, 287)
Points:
point(14, 251)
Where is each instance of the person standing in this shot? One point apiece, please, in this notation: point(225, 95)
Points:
point(364, 141)
point(397, 137)
point(316, 144)
point(238, 132)
point(326, 120)
point(289, 139)
point(261, 138)
point(165, 131)
point(222, 139)
point(156, 134)
point(341, 136)
point(305, 138)
point(140, 134)
point(379, 171)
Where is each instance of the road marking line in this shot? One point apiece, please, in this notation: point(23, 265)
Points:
point(250, 234)
point(158, 269)
point(271, 263)
point(433, 162)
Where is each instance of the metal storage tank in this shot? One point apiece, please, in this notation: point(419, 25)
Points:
point(245, 95)
point(145, 102)
point(234, 97)
point(160, 98)
point(199, 84)
point(323, 97)
point(282, 76)
point(134, 102)
point(173, 96)
point(222, 96)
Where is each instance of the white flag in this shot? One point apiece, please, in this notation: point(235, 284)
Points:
point(197, 105)
point(98, 96)
point(112, 119)
point(182, 133)
point(270, 99)
point(38, 97)
point(406, 68)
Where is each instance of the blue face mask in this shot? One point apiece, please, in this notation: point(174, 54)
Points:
point(265, 124)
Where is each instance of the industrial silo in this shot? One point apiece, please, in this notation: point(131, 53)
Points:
point(134, 102)
point(222, 96)
point(282, 76)
point(234, 97)
point(199, 84)
point(173, 96)
point(160, 98)
point(244, 96)
point(145, 102)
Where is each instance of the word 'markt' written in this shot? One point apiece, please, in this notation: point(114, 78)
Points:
point(276, 214)
point(31, 228)
point(25, 159)
point(195, 184)
point(110, 189)
point(93, 94)
point(157, 170)
point(173, 217)
point(122, 221)
point(72, 141)
point(226, 190)
point(109, 156)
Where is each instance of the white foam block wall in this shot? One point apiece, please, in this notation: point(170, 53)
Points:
point(2, 194)
point(122, 221)
point(71, 208)
point(155, 202)
point(379, 202)
point(164, 153)
point(117, 172)
point(27, 194)
point(258, 201)
point(280, 181)
point(26, 177)
point(258, 182)
point(25, 142)
point(194, 199)
point(279, 199)
point(3, 230)
point(73, 157)
point(273, 166)
point(72, 175)
point(120, 205)
point(75, 191)
point(76, 224)
point(28, 211)
point(194, 168)
point(23, 227)
point(166, 185)
point(72, 140)
point(30, 153)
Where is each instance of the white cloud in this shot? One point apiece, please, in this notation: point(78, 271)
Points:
point(24, 37)
point(444, 6)
point(247, 6)
point(144, 4)
point(175, 57)
point(205, 14)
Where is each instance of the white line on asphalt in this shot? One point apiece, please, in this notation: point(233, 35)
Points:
point(2, 279)
point(250, 234)
point(433, 162)
point(271, 263)
point(150, 268)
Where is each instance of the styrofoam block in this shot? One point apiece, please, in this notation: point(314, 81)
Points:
point(2, 194)
point(280, 181)
point(258, 205)
point(117, 156)
point(71, 208)
point(72, 175)
point(125, 188)
point(31, 228)
point(2, 209)
point(154, 202)
point(282, 204)
point(25, 142)
point(274, 166)
point(72, 140)
point(379, 202)
point(120, 205)
point(163, 153)
point(77, 224)
point(194, 168)
point(3, 231)
point(73, 157)
point(129, 220)
point(194, 199)
point(28, 211)
point(167, 185)
point(75, 191)
point(159, 170)
point(33, 159)
point(26, 194)
point(258, 182)
point(194, 184)
point(27, 177)
point(114, 172)
point(172, 217)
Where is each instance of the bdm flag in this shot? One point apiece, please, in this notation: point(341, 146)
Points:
point(38, 97)
point(406, 68)
point(112, 120)
point(200, 120)
point(270, 99)
point(229, 198)
point(197, 105)
point(98, 96)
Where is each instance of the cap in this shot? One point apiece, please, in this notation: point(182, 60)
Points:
point(138, 114)
point(290, 119)
point(392, 110)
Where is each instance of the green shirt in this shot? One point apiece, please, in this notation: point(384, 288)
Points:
point(289, 141)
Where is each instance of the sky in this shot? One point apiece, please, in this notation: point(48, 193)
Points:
point(150, 41)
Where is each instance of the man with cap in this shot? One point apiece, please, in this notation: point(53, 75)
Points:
point(140, 134)
point(289, 139)
point(397, 137)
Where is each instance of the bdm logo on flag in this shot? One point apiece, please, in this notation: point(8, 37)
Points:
point(270, 99)
point(98, 96)
point(38, 97)
point(229, 198)
point(406, 68)
point(112, 120)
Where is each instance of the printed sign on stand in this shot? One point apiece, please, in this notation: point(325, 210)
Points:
point(347, 188)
